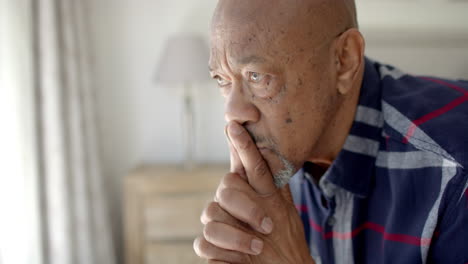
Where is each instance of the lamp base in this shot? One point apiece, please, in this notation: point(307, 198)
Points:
point(189, 128)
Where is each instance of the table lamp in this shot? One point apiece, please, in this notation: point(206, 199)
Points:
point(183, 63)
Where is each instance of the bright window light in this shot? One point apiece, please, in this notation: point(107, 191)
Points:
point(19, 218)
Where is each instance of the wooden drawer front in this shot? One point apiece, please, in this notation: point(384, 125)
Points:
point(174, 217)
point(171, 253)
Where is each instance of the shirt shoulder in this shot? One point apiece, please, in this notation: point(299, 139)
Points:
point(428, 113)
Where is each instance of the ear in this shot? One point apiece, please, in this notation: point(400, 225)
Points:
point(349, 59)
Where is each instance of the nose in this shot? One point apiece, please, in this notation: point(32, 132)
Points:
point(239, 107)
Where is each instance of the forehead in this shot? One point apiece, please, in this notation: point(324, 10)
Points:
point(242, 44)
point(270, 29)
point(239, 30)
point(258, 41)
point(232, 13)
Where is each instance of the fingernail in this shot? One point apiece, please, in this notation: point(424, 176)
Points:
point(235, 129)
point(256, 246)
point(267, 225)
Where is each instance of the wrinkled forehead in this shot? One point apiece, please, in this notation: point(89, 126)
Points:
point(271, 28)
point(231, 42)
point(245, 28)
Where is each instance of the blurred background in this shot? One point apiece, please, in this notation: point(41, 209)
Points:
point(106, 156)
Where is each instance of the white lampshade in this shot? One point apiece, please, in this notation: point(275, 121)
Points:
point(184, 60)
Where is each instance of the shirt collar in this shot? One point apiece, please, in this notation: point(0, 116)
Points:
point(353, 169)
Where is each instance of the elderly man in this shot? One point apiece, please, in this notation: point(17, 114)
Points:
point(378, 156)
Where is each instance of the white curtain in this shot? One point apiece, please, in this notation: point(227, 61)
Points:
point(19, 214)
point(75, 227)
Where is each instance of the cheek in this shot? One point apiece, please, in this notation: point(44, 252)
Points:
point(298, 114)
point(286, 130)
point(300, 126)
point(269, 90)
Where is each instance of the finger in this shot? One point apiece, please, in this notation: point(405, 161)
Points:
point(242, 207)
point(234, 204)
point(236, 163)
point(235, 181)
point(227, 237)
point(234, 197)
point(257, 171)
point(206, 250)
point(214, 213)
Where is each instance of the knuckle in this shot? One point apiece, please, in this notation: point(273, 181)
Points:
point(244, 143)
point(260, 167)
point(204, 249)
point(256, 214)
point(210, 212)
point(225, 195)
point(229, 179)
point(209, 231)
point(199, 246)
point(242, 242)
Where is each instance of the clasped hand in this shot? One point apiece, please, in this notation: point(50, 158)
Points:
point(250, 219)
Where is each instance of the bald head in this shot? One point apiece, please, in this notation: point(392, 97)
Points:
point(323, 17)
point(290, 72)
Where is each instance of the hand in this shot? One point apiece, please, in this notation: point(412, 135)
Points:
point(251, 221)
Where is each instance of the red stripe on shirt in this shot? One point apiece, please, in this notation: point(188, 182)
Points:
point(402, 238)
point(439, 111)
point(433, 115)
point(457, 88)
point(301, 208)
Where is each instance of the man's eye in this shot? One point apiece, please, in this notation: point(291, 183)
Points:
point(221, 82)
point(256, 77)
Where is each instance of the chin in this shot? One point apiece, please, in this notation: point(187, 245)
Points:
point(281, 168)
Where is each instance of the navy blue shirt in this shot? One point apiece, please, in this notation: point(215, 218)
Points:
point(397, 192)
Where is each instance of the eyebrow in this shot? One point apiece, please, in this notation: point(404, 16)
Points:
point(243, 61)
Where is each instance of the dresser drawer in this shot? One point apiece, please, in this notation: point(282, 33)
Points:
point(174, 217)
point(162, 211)
point(171, 253)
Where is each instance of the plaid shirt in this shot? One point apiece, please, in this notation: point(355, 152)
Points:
point(397, 192)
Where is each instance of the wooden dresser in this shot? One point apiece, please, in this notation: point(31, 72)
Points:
point(162, 211)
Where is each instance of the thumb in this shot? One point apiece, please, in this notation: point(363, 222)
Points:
point(285, 191)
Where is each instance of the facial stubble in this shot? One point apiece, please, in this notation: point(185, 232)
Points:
point(281, 177)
